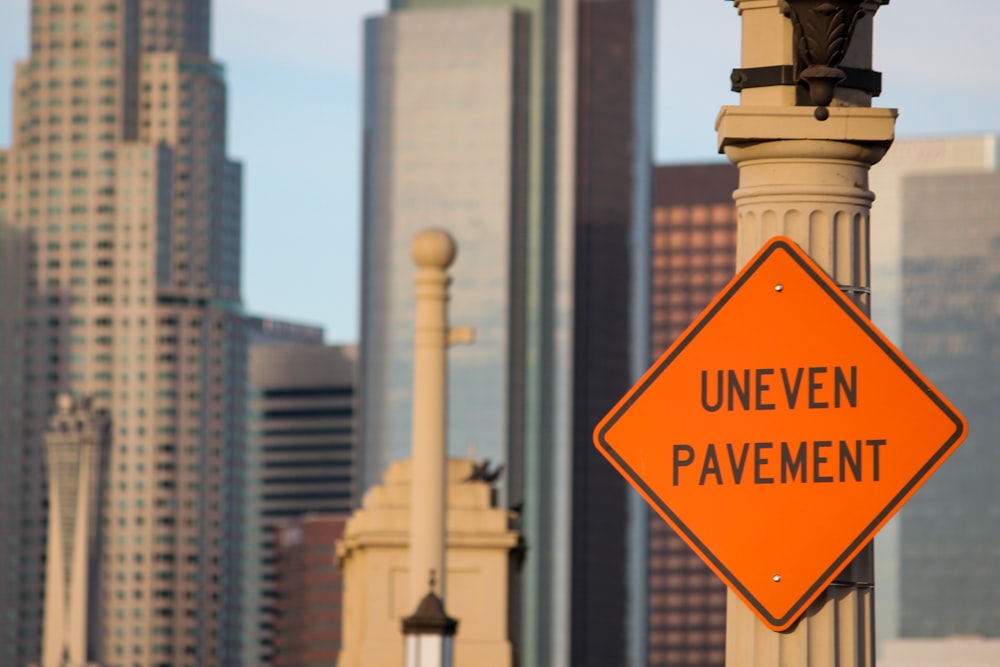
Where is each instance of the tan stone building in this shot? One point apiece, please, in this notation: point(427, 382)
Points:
point(118, 191)
point(483, 555)
point(76, 446)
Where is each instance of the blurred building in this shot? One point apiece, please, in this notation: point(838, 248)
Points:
point(949, 652)
point(76, 445)
point(262, 330)
point(948, 538)
point(301, 459)
point(891, 181)
point(309, 591)
point(522, 127)
point(20, 638)
point(906, 158)
point(127, 212)
point(446, 104)
point(693, 258)
point(484, 553)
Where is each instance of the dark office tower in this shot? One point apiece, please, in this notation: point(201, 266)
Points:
point(610, 342)
point(18, 510)
point(694, 256)
point(118, 187)
point(522, 127)
point(301, 459)
point(949, 543)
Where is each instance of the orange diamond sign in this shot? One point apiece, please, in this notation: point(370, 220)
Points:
point(779, 433)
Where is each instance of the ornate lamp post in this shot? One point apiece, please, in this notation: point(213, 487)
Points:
point(804, 174)
point(429, 633)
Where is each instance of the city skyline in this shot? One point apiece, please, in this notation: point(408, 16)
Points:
point(305, 59)
point(125, 204)
point(523, 127)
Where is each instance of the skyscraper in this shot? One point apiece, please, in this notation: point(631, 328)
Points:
point(118, 190)
point(444, 117)
point(908, 158)
point(951, 310)
point(911, 157)
point(694, 257)
point(523, 127)
point(301, 458)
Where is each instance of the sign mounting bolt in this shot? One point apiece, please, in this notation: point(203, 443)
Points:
point(779, 287)
point(776, 578)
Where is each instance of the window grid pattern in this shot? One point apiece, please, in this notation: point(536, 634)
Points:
point(101, 210)
point(693, 257)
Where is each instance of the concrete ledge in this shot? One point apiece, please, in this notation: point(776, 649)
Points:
point(752, 124)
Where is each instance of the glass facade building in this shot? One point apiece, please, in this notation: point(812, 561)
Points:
point(906, 159)
point(949, 543)
point(522, 127)
point(445, 114)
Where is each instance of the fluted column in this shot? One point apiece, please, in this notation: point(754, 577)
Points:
point(804, 175)
point(814, 192)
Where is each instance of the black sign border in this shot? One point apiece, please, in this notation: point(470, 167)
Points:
point(830, 288)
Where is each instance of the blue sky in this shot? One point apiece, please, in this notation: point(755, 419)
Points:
point(294, 73)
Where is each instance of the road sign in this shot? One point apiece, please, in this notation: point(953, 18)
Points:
point(779, 433)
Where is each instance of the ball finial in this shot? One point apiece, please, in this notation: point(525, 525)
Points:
point(433, 248)
point(66, 402)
